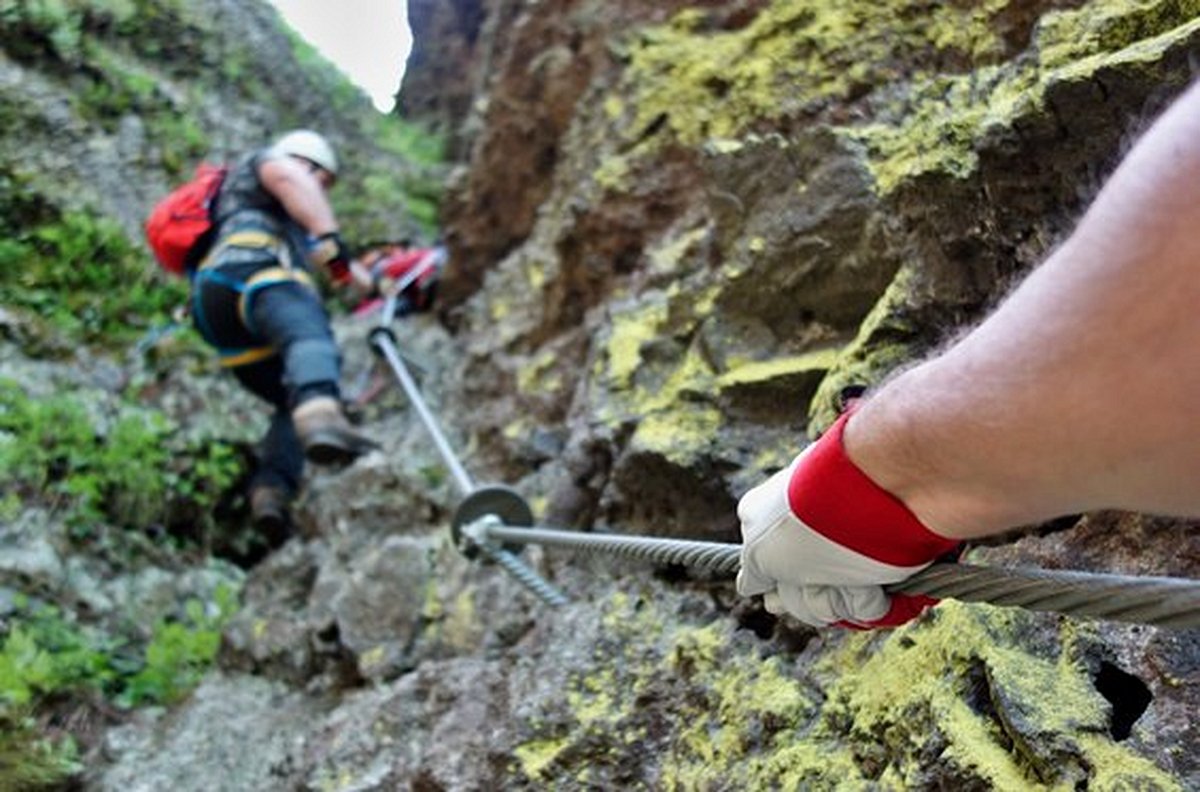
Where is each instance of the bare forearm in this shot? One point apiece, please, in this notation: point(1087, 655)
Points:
point(300, 194)
point(1082, 391)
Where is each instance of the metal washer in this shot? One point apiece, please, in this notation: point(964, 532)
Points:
point(497, 499)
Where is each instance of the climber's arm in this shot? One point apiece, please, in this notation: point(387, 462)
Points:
point(299, 190)
point(1082, 391)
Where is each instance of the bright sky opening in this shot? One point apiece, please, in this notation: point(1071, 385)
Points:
point(369, 40)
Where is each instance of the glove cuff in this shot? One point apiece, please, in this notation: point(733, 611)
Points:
point(836, 499)
point(330, 251)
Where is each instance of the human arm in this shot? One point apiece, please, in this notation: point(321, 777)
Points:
point(297, 188)
point(300, 191)
point(1080, 392)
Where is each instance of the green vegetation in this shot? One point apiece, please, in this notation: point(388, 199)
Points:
point(44, 656)
point(63, 31)
point(122, 483)
point(418, 188)
point(28, 759)
point(51, 452)
point(81, 273)
point(179, 652)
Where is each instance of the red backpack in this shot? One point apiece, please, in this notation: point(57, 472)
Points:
point(179, 228)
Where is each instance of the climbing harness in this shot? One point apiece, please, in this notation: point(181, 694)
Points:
point(493, 521)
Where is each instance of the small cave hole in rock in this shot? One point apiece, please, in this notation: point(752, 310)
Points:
point(1128, 695)
point(757, 621)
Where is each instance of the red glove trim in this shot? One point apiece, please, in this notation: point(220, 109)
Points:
point(830, 495)
point(903, 609)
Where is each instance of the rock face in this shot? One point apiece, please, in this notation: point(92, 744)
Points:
point(678, 230)
point(679, 233)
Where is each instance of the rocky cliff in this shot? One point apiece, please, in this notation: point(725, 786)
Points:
point(676, 231)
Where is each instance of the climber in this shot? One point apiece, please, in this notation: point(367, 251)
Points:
point(255, 299)
point(1080, 392)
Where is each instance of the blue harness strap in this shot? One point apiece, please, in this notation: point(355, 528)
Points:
point(246, 290)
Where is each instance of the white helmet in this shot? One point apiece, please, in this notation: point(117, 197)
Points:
point(310, 146)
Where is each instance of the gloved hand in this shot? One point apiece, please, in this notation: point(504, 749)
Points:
point(414, 272)
point(330, 251)
point(820, 539)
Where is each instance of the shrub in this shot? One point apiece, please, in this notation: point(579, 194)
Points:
point(82, 274)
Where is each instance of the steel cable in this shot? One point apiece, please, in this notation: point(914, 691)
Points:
point(387, 347)
point(1160, 601)
point(1164, 602)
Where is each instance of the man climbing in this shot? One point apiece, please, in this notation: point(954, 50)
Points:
point(1081, 392)
point(255, 299)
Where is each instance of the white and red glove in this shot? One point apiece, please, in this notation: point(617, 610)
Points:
point(821, 539)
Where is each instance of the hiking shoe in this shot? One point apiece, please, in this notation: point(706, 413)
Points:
point(327, 437)
point(269, 513)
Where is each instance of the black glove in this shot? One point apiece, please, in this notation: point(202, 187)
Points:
point(330, 251)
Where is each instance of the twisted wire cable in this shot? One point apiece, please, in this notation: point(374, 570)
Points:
point(542, 589)
point(1164, 602)
point(1159, 601)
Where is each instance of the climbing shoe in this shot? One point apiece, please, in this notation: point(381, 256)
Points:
point(327, 437)
point(269, 513)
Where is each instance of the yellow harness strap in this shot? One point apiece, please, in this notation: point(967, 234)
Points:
point(246, 357)
point(259, 280)
point(244, 239)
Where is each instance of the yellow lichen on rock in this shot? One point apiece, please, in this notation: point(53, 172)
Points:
point(800, 52)
point(795, 52)
point(666, 258)
point(629, 331)
point(535, 756)
point(755, 371)
point(678, 434)
point(914, 685)
point(539, 375)
point(872, 354)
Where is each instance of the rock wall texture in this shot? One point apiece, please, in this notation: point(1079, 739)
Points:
point(681, 230)
point(676, 231)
